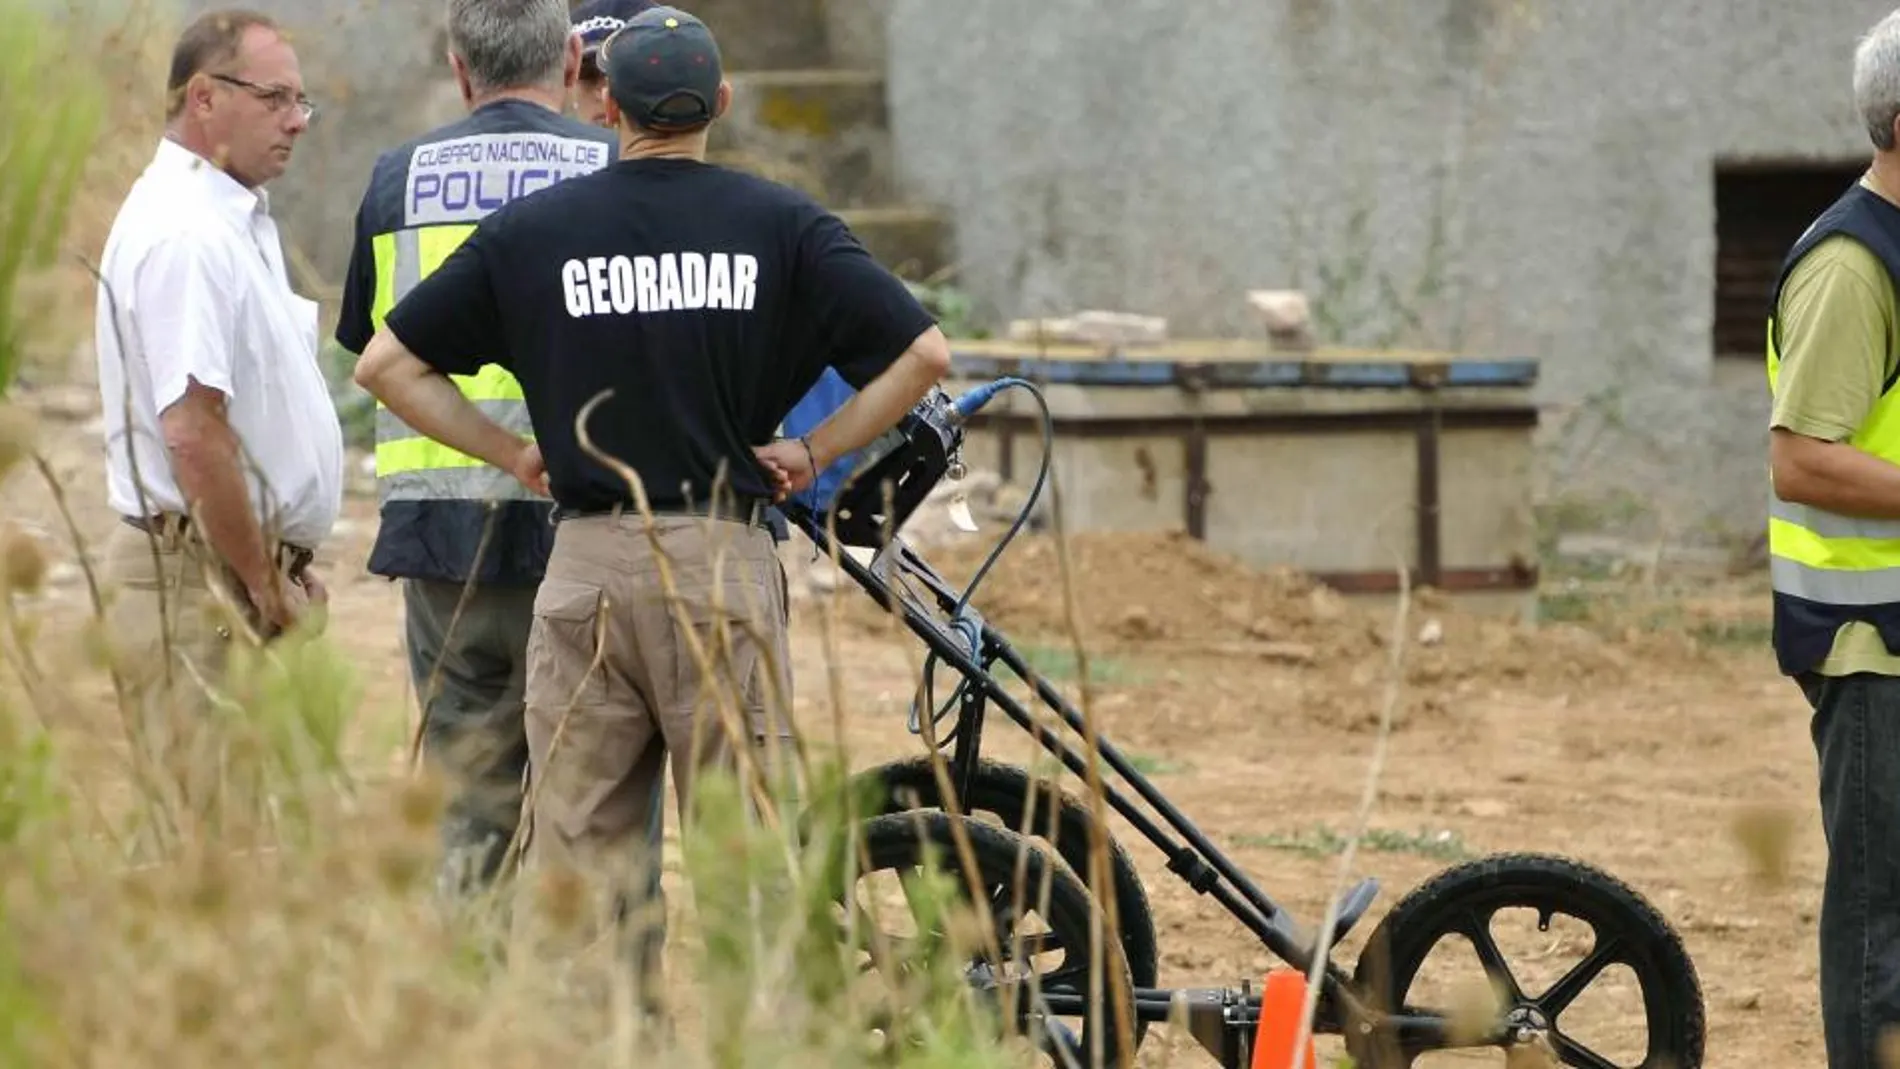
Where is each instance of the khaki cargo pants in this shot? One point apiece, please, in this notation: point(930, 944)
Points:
point(174, 610)
point(615, 686)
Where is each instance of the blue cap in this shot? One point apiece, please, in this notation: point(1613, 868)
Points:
point(663, 69)
point(596, 20)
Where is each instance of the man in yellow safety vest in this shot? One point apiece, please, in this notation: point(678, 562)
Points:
point(1834, 549)
point(470, 544)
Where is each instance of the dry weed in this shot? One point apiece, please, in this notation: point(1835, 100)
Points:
point(1765, 835)
point(99, 81)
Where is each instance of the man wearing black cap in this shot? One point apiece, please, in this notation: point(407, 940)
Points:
point(594, 22)
point(691, 305)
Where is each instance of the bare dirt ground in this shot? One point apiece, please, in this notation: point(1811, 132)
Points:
point(1251, 698)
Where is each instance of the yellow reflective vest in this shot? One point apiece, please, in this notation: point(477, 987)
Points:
point(424, 199)
point(1830, 569)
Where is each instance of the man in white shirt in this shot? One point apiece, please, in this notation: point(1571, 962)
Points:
point(224, 451)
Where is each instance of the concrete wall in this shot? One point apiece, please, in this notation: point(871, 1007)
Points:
point(1509, 177)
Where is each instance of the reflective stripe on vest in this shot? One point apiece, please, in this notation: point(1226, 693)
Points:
point(1834, 571)
point(409, 466)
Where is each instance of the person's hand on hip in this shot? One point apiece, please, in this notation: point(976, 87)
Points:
point(279, 604)
point(531, 470)
point(788, 461)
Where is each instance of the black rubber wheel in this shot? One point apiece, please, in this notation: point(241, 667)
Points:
point(1463, 900)
point(900, 842)
point(1001, 790)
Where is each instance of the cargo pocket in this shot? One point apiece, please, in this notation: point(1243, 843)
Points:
point(727, 626)
point(563, 645)
point(582, 744)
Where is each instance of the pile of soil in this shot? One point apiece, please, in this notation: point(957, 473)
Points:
point(1170, 598)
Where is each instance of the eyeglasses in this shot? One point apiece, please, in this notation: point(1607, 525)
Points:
point(275, 96)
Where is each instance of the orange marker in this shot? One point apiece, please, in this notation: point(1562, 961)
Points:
point(1282, 1004)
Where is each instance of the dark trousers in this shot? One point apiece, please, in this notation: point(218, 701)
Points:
point(471, 683)
point(1856, 729)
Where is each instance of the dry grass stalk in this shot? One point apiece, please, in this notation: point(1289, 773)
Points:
point(1101, 877)
point(1766, 836)
point(432, 687)
point(1375, 772)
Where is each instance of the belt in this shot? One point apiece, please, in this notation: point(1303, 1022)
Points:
point(291, 559)
point(753, 512)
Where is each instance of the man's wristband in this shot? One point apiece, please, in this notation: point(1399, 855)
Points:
point(810, 457)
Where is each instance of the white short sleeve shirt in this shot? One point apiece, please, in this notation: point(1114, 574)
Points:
point(194, 288)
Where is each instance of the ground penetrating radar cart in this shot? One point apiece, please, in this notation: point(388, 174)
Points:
point(1368, 1007)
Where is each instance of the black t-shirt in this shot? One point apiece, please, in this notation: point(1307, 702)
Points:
point(709, 301)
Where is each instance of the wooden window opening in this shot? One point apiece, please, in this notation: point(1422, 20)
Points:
point(1760, 211)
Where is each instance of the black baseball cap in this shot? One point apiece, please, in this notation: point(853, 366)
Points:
point(663, 69)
